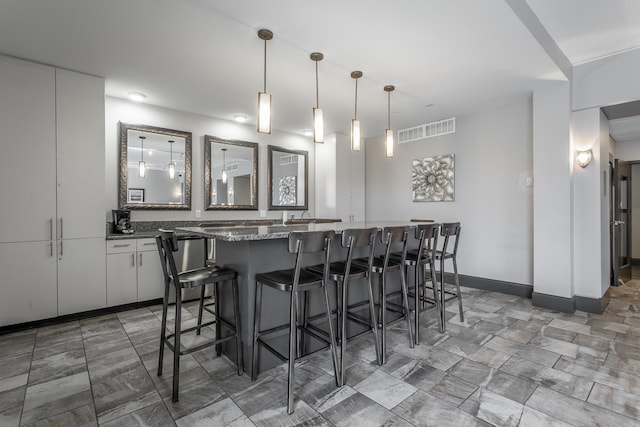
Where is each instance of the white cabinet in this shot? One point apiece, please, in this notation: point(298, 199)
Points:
point(150, 277)
point(134, 272)
point(52, 165)
point(350, 200)
point(28, 289)
point(121, 272)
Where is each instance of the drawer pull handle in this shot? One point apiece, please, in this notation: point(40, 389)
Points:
point(121, 246)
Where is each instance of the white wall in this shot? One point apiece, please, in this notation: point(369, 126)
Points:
point(552, 215)
point(493, 156)
point(121, 110)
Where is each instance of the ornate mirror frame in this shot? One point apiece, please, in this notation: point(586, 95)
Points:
point(285, 184)
point(123, 188)
point(209, 176)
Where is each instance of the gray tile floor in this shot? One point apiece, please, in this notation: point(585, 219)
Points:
point(509, 364)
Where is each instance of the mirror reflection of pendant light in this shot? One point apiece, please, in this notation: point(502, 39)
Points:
point(142, 166)
point(355, 123)
point(318, 123)
point(172, 167)
point(388, 133)
point(224, 166)
point(264, 99)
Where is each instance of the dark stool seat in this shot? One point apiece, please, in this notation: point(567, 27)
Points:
point(168, 244)
point(296, 282)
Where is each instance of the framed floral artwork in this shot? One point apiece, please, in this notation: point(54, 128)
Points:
point(432, 179)
point(287, 191)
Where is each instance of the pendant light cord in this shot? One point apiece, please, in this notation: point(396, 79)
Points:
point(265, 66)
point(389, 110)
point(317, 92)
point(355, 116)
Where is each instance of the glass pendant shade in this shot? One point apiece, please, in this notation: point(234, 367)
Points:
point(264, 112)
point(142, 166)
point(388, 142)
point(318, 126)
point(224, 177)
point(355, 135)
point(172, 171)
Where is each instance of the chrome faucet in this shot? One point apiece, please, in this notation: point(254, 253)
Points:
point(293, 216)
point(302, 216)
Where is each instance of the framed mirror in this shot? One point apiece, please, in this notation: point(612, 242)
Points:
point(155, 168)
point(230, 174)
point(288, 178)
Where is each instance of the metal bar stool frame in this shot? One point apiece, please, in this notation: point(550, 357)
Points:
point(449, 230)
point(420, 259)
point(167, 243)
point(342, 272)
point(390, 237)
point(295, 281)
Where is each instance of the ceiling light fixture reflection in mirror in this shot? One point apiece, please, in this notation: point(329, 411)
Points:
point(288, 178)
point(155, 168)
point(231, 174)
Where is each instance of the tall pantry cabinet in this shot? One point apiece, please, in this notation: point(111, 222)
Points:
point(52, 228)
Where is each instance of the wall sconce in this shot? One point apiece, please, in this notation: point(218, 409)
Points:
point(355, 123)
point(264, 99)
point(388, 133)
point(318, 122)
point(584, 157)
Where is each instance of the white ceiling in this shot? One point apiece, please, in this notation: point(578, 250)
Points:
point(204, 56)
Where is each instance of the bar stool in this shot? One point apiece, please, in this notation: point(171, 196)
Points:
point(419, 259)
point(449, 230)
point(391, 238)
point(295, 281)
point(168, 244)
point(342, 272)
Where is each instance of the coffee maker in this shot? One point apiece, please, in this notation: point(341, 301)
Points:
point(122, 221)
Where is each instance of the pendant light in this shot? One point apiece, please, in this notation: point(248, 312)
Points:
point(142, 166)
point(264, 99)
point(318, 123)
point(355, 123)
point(224, 165)
point(172, 167)
point(388, 133)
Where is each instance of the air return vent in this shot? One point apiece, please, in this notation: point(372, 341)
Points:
point(429, 130)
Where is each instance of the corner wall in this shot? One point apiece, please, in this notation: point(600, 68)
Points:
point(493, 157)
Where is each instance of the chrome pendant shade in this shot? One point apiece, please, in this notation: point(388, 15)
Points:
point(355, 123)
point(142, 166)
point(318, 122)
point(264, 99)
point(388, 133)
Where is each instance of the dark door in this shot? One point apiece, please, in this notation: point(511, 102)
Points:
point(620, 236)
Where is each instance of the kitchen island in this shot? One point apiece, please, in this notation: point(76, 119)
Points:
point(252, 250)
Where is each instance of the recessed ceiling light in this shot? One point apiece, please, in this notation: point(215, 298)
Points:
point(307, 132)
point(137, 96)
point(240, 118)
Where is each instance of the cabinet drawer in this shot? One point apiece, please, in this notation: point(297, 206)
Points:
point(120, 246)
point(146, 245)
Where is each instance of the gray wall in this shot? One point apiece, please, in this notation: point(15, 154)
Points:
point(493, 156)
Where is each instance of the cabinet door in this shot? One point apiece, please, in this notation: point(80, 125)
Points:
point(121, 279)
point(150, 277)
point(28, 160)
point(28, 282)
point(81, 159)
point(81, 275)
